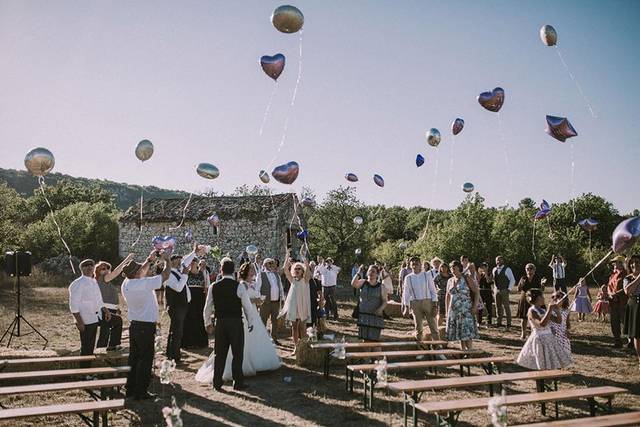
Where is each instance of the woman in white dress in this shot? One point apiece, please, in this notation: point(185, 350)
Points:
point(259, 352)
point(297, 305)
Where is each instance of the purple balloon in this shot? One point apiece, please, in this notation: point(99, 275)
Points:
point(302, 235)
point(351, 177)
point(188, 236)
point(560, 128)
point(457, 125)
point(544, 211)
point(273, 65)
point(287, 173)
point(626, 234)
point(166, 243)
point(378, 180)
point(419, 160)
point(493, 100)
point(214, 220)
point(588, 224)
point(308, 202)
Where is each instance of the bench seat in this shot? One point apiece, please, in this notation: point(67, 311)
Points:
point(96, 407)
point(74, 385)
point(626, 419)
point(27, 375)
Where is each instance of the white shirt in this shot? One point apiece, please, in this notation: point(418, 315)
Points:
point(558, 269)
point(141, 299)
point(276, 290)
point(507, 272)
point(85, 298)
point(328, 274)
point(178, 285)
point(433, 273)
point(417, 287)
point(242, 294)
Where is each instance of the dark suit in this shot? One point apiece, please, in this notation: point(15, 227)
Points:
point(177, 306)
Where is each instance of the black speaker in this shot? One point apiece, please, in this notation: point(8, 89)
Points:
point(17, 263)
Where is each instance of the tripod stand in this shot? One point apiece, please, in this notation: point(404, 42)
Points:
point(14, 328)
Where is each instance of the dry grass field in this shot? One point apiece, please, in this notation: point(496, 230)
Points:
point(308, 399)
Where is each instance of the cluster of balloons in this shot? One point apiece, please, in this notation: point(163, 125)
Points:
point(39, 161)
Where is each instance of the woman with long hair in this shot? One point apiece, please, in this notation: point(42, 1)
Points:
point(194, 334)
point(462, 307)
point(371, 303)
point(297, 305)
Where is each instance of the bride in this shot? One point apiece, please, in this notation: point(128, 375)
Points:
point(259, 351)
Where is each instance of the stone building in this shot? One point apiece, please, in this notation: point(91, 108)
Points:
point(268, 222)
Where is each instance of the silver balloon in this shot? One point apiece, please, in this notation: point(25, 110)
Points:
point(144, 150)
point(358, 220)
point(467, 187)
point(548, 35)
point(287, 19)
point(273, 65)
point(39, 161)
point(252, 250)
point(433, 137)
point(207, 170)
point(264, 177)
point(358, 251)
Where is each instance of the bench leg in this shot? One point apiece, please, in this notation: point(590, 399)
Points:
point(461, 371)
point(346, 378)
point(540, 386)
point(351, 374)
point(404, 408)
point(96, 419)
point(326, 365)
point(592, 406)
point(468, 370)
point(372, 388)
point(365, 384)
point(491, 390)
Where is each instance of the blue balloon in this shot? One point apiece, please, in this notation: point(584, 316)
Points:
point(419, 160)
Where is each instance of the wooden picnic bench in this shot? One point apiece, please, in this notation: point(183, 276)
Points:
point(453, 408)
point(626, 419)
point(412, 390)
point(79, 408)
point(27, 375)
point(108, 358)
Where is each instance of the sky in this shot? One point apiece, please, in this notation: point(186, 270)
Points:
point(89, 79)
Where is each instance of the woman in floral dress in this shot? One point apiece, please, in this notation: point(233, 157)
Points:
point(462, 307)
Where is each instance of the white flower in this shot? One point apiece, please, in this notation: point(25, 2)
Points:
point(381, 370)
point(498, 410)
point(166, 369)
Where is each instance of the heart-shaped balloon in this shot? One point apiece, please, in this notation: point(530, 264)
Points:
point(467, 187)
point(433, 137)
point(560, 128)
point(264, 177)
point(287, 19)
point(588, 224)
point(378, 180)
point(493, 100)
point(351, 177)
point(166, 243)
point(287, 173)
point(419, 160)
point(457, 125)
point(273, 65)
point(214, 220)
point(625, 234)
point(548, 35)
point(144, 150)
point(39, 161)
point(207, 170)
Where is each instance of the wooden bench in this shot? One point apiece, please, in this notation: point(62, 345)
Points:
point(453, 407)
point(97, 408)
point(412, 390)
point(27, 375)
point(627, 419)
point(490, 365)
point(108, 358)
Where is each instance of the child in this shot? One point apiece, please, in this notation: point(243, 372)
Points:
point(542, 350)
point(560, 329)
point(602, 304)
point(582, 302)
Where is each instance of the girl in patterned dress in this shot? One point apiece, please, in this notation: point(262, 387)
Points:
point(582, 302)
point(561, 313)
point(602, 304)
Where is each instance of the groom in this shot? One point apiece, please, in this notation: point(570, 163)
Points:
point(228, 299)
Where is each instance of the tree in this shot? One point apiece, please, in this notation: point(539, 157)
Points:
point(12, 213)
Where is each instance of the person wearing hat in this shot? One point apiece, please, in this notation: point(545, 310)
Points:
point(617, 298)
point(272, 292)
point(87, 307)
point(138, 291)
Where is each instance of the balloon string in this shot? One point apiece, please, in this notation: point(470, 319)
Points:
point(140, 232)
point(533, 240)
point(550, 232)
point(573, 182)
point(584, 97)
point(53, 217)
point(507, 163)
point(433, 194)
point(268, 109)
point(184, 213)
point(451, 162)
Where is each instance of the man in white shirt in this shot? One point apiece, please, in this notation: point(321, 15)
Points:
point(272, 292)
point(328, 273)
point(504, 281)
point(142, 311)
point(85, 303)
point(558, 265)
point(419, 292)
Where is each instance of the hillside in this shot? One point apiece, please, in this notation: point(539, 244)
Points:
point(126, 194)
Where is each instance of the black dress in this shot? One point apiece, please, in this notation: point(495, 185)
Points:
point(525, 285)
point(632, 313)
point(195, 335)
point(314, 288)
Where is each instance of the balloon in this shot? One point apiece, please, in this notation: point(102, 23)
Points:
point(214, 220)
point(39, 161)
point(543, 212)
point(358, 251)
point(351, 177)
point(548, 35)
point(588, 224)
point(560, 128)
point(166, 243)
point(308, 202)
point(264, 176)
point(302, 235)
point(252, 250)
point(378, 180)
point(467, 187)
point(419, 160)
point(273, 65)
point(493, 100)
point(188, 236)
point(287, 173)
point(457, 125)
point(403, 245)
point(358, 220)
point(433, 137)
point(626, 234)
point(144, 150)
point(287, 19)
point(207, 170)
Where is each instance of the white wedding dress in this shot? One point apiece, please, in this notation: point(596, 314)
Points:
point(259, 351)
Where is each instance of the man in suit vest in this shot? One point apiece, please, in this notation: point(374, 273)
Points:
point(271, 289)
point(504, 281)
point(177, 297)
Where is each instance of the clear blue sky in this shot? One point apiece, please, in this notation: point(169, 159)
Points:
point(88, 79)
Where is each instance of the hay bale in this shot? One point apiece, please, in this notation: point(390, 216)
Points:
point(307, 357)
point(393, 309)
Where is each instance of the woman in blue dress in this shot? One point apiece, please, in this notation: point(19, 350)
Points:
point(462, 307)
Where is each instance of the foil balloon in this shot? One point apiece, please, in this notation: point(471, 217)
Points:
point(308, 202)
point(287, 173)
point(351, 177)
point(358, 251)
point(358, 220)
point(419, 160)
point(164, 243)
point(302, 235)
point(457, 125)
point(214, 220)
point(39, 161)
point(273, 65)
point(543, 212)
point(378, 180)
point(252, 250)
point(433, 137)
point(467, 187)
point(548, 35)
point(287, 19)
point(560, 128)
point(144, 150)
point(625, 234)
point(264, 176)
point(188, 236)
point(207, 170)
point(493, 100)
point(588, 224)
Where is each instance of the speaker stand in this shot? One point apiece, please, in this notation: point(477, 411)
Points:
point(14, 328)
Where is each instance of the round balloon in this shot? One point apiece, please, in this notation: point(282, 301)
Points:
point(39, 161)
point(358, 251)
point(351, 177)
point(188, 236)
point(214, 220)
point(433, 137)
point(287, 19)
point(378, 180)
point(252, 250)
point(419, 160)
point(493, 100)
point(548, 35)
point(273, 65)
point(287, 173)
point(625, 234)
point(467, 187)
point(358, 220)
point(144, 150)
point(166, 243)
point(457, 125)
point(207, 170)
point(264, 176)
point(308, 202)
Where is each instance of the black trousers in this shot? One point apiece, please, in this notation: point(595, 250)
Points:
point(229, 333)
point(88, 342)
point(141, 352)
point(111, 331)
point(616, 317)
point(487, 299)
point(177, 314)
point(560, 285)
point(329, 293)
